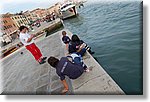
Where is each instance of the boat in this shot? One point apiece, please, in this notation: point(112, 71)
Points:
point(68, 10)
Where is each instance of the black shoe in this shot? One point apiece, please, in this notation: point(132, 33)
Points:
point(42, 62)
point(92, 53)
point(44, 58)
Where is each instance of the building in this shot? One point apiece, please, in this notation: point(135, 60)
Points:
point(33, 15)
point(55, 9)
point(38, 14)
point(8, 27)
point(20, 19)
point(29, 16)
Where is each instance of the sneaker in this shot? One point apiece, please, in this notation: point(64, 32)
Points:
point(44, 58)
point(42, 62)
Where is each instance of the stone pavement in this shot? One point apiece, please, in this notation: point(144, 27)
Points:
point(23, 75)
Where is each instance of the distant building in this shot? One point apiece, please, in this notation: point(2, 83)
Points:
point(29, 16)
point(38, 14)
point(20, 19)
point(55, 9)
point(8, 27)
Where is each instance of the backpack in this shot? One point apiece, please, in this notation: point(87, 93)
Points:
point(76, 59)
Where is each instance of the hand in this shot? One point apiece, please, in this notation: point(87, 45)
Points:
point(65, 86)
point(32, 36)
point(87, 70)
point(64, 90)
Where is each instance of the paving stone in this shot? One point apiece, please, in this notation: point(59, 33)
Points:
point(6, 84)
point(43, 80)
point(36, 75)
point(44, 69)
point(57, 91)
point(12, 85)
point(31, 87)
point(23, 81)
point(42, 90)
point(56, 84)
point(55, 77)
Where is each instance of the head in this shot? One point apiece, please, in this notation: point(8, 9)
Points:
point(64, 33)
point(53, 61)
point(75, 38)
point(23, 29)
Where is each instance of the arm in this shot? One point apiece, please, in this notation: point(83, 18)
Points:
point(79, 49)
point(65, 86)
point(32, 36)
point(62, 78)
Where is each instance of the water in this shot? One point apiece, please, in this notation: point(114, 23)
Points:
point(113, 30)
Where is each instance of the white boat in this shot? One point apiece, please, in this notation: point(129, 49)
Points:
point(68, 10)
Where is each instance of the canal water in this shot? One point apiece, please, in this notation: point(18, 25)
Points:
point(114, 31)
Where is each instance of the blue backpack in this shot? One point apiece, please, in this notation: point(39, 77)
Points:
point(76, 59)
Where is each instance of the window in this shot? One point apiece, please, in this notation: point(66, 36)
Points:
point(18, 22)
point(14, 25)
point(4, 27)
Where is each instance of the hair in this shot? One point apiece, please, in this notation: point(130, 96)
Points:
point(75, 38)
point(22, 27)
point(63, 32)
point(53, 61)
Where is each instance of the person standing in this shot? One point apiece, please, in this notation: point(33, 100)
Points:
point(28, 42)
point(65, 39)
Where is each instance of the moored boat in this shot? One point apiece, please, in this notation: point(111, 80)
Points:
point(68, 10)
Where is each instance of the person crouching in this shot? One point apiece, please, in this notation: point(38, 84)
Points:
point(64, 67)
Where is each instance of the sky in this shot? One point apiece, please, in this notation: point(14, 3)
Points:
point(15, 6)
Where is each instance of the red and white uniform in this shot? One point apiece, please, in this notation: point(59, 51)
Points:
point(30, 46)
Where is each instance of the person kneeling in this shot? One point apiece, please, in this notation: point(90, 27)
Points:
point(78, 46)
point(64, 67)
